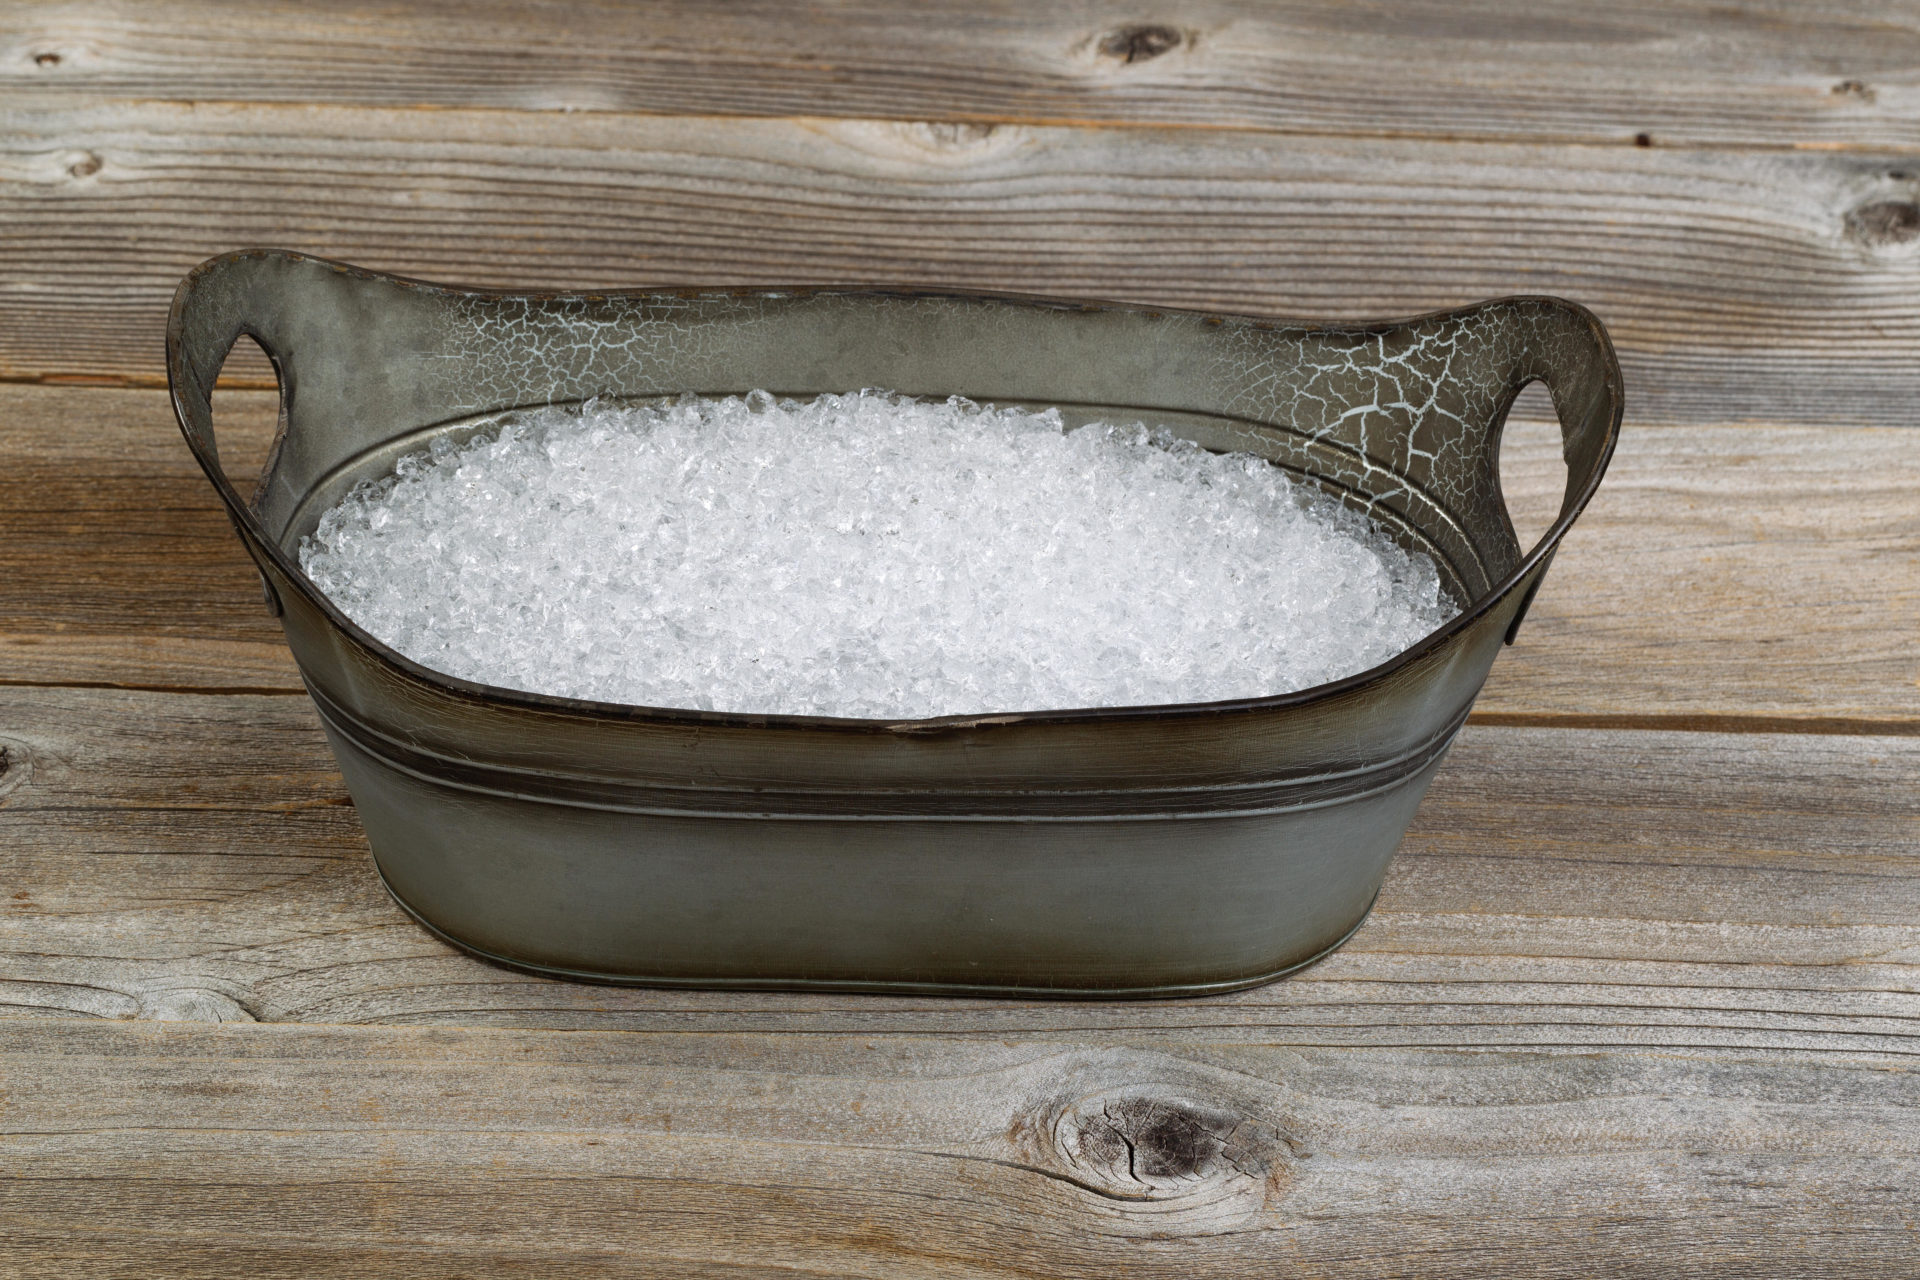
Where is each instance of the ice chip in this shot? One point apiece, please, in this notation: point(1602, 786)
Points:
point(864, 555)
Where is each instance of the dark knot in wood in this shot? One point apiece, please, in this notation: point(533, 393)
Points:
point(85, 166)
point(1885, 222)
point(1163, 1144)
point(1139, 43)
point(46, 60)
point(1171, 1147)
point(1163, 1141)
point(1853, 89)
point(16, 767)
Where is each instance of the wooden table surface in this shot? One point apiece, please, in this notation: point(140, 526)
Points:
point(1642, 994)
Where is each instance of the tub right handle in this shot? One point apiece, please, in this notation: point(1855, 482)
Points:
point(1564, 346)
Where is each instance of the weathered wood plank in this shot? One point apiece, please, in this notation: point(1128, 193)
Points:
point(375, 1152)
point(1682, 73)
point(1740, 285)
point(1635, 1003)
point(1724, 576)
point(119, 566)
point(182, 856)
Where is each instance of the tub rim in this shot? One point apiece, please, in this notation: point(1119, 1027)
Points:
point(191, 400)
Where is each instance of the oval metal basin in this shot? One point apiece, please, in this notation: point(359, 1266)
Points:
point(1162, 850)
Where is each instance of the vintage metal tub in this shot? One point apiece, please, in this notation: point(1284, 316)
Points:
point(1123, 852)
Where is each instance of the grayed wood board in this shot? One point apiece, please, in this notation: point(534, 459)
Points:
point(148, 1149)
point(1638, 1000)
point(1766, 75)
point(1741, 284)
point(1724, 577)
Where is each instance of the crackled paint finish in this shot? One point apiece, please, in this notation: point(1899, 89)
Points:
point(1411, 416)
point(1404, 420)
point(504, 352)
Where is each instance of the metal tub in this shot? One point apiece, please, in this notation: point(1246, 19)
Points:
point(1165, 850)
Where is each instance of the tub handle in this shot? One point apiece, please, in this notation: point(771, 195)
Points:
point(1566, 348)
point(219, 302)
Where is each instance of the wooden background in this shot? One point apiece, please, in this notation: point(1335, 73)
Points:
point(1642, 994)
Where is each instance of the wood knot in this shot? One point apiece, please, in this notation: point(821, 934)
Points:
point(1155, 1146)
point(48, 60)
point(1163, 1146)
point(1853, 89)
point(191, 1004)
point(1885, 222)
point(16, 767)
point(952, 142)
point(1139, 43)
point(957, 134)
point(85, 165)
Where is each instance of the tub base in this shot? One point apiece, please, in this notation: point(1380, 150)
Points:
point(980, 990)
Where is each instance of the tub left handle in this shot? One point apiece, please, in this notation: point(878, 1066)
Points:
point(222, 300)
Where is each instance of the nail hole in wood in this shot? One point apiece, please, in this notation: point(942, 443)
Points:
point(1139, 43)
point(1642, 139)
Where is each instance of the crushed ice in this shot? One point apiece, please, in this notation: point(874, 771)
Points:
point(864, 555)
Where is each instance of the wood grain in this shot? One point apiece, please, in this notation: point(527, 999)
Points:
point(1724, 578)
point(195, 856)
point(264, 1151)
point(1637, 1000)
point(1740, 285)
point(118, 563)
point(1774, 75)
point(1643, 1003)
